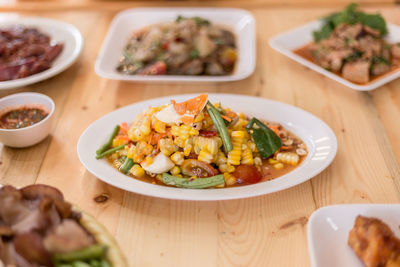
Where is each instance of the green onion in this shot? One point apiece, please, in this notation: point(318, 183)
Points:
point(197, 183)
point(107, 144)
point(266, 140)
point(220, 125)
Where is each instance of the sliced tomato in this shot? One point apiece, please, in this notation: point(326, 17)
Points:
point(247, 174)
point(193, 167)
point(207, 133)
point(156, 69)
point(165, 46)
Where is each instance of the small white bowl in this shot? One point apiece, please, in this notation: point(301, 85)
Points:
point(30, 135)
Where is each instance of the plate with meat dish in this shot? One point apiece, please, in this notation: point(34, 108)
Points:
point(179, 44)
point(207, 147)
point(357, 49)
point(40, 228)
point(35, 49)
point(355, 235)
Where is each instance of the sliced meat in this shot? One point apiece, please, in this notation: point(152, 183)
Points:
point(30, 247)
point(370, 46)
point(228, 38)
point(348, 31)
point(357, 71)
point(35, 220)
point(36, 191)
point(204, 45)
point(395, 51)
point(336, 58)
point(193, 67)
point(214, 68)
point(66, 237)
point(13, 209)
point(371, 31)
point(380, 68)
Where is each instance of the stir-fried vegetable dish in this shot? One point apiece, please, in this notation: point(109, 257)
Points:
point(196, 144)
point(186, 46)
point(351, 43)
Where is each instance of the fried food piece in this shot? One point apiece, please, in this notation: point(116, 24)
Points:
point(374, 243)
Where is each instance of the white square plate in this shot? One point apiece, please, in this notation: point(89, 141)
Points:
point(239, 21)
point(286, 42)
point(329, 227)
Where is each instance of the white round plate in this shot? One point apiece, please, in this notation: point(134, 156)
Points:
point(59, 32)
point(319, 138)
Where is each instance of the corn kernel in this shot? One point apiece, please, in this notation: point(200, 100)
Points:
point(137, 171)
point(187, 150)
point(226, 168)
point(148, 161)
point(117, 142)
point(175, 170)
point(229, 179)
point(257, 161)
point(199, 117)
point(167, 146)
point(177, 158)
point(159, 177)
point(272, 161)
point(278, 166)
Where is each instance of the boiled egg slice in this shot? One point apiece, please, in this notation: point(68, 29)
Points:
point(183, 112)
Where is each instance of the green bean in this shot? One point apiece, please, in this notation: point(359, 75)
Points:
point(105, 263)
point(92, 252)
point(197, 183)
point(110, 151)
point(63, 265)
point(107, 144)
point(220, 125)
point(126, 166)
point(95, 263)
point(81, 264)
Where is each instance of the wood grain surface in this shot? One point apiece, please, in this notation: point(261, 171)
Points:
point(263, 231)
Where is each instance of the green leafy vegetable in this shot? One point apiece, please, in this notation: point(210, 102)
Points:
point(197, 183)
point(350, 15)
point(220, 125)
point(266, 140)
point(194, 54)
point(199, 21)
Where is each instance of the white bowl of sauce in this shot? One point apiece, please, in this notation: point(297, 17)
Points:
point(25, 119)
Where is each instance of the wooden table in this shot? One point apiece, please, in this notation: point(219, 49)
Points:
point(263, 231)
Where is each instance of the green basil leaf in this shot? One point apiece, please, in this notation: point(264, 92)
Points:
point(266, 140)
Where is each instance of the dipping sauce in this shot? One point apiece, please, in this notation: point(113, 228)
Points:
point(22, 117)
